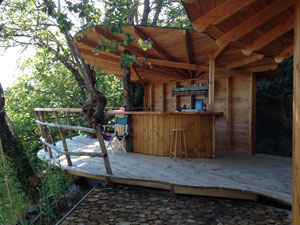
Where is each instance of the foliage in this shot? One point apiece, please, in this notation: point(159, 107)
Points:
point(274, 125)
point(52, 190)
point(13, 203)
point(51, 78)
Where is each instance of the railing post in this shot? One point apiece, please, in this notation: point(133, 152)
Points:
point(41, 129)
point(46, 114)
point(46, 133)
point(69, 124)
point(62, 136)
point(103, 149)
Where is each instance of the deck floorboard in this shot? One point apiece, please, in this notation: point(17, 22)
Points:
point(266, 175)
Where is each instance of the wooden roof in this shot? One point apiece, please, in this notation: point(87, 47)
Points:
point(257, 27)
point(177, 54)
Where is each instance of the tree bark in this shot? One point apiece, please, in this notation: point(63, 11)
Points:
point(15, 153)
point(146, 12)
point(128, 104)
point(157, 12)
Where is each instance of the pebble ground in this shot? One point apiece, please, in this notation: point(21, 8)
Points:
point(126, 205)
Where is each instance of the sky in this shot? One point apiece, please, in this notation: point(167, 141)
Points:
point(8, 67)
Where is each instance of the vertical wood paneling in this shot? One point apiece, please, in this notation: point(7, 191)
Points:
point(211, 84)
point(152, 133)
point(134, 122)
point(231, 96)
point(252, 112)
point(146, 134)
point(155, 135)
point(151, 136)
point(160, 147)
point(166, 135)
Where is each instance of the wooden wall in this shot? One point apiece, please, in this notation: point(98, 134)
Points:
point(152, 134)
point(234, 96)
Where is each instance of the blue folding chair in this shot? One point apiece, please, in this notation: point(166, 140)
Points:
point(120, 132)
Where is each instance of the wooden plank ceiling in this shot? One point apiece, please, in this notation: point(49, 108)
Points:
point(227, 34)
point(256, 31)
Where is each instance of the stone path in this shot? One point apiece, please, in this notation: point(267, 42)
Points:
point(125, 205)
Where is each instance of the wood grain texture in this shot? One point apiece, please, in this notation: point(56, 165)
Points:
point(259, 174)
point(157, 133)
point(296, 119)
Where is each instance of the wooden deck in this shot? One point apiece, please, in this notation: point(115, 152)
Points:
point(232, 175)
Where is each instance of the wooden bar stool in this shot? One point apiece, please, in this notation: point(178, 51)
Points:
point(181, 132)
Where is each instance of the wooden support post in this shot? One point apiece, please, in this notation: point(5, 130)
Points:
point(296, 118)
point(192, 97)
point(69, 124)
point(128, 103)
point(62, 136)
point(103, 149)
point(151, 97)
point(211, 84)
point(214, 137)
point(50, 135)
point(252, 113)
point(177, 100)
point(38, 117)
point(164, 97)
point(228, 113)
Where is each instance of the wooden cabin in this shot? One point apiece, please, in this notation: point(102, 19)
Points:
point(186, 59)
point(242, 41)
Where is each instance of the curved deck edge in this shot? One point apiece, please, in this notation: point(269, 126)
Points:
point(182, 189)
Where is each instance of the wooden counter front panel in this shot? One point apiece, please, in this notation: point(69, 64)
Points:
point(152, 134)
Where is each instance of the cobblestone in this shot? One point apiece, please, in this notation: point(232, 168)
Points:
point(125, 205)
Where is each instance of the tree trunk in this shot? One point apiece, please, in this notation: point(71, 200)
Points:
point(15, 153)
point(146, 12)
point(157, 12)
point(128, 104)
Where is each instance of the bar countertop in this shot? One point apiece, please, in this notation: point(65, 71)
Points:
point(162, 113)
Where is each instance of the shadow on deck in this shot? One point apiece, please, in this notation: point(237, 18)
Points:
point(232, 175)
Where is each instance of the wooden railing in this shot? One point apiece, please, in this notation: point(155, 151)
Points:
point(47, 133)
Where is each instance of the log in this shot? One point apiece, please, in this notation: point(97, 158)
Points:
point(91, 154)
point(66, 127)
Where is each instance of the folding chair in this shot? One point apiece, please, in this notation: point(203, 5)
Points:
point(120, 132)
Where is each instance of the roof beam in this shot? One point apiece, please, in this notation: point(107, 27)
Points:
point(130, 47)
point(113, 59)
point(219, 13)
point(187, 49)
point(286, 53)
point(138, 75)
point(270, 36)
point(160, 62)
point(243, 62)
point(261, 68)
point(156, 46)
point(253, 22)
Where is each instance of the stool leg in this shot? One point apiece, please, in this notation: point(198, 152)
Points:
point(172, 140)
point(184, 142)
point(175, 145)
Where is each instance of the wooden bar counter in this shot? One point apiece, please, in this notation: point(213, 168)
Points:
point(152, 131)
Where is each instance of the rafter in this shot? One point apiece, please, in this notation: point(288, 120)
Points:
point(220, 13)
point(156, 46)
point(100, 31)
point(159, 62)
point(187, 49)
point(113, 59)
point(286, 53)
point(138, 75)
point(270, 36)
point(243, 62)
point(261, 68)
point(253, 22)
